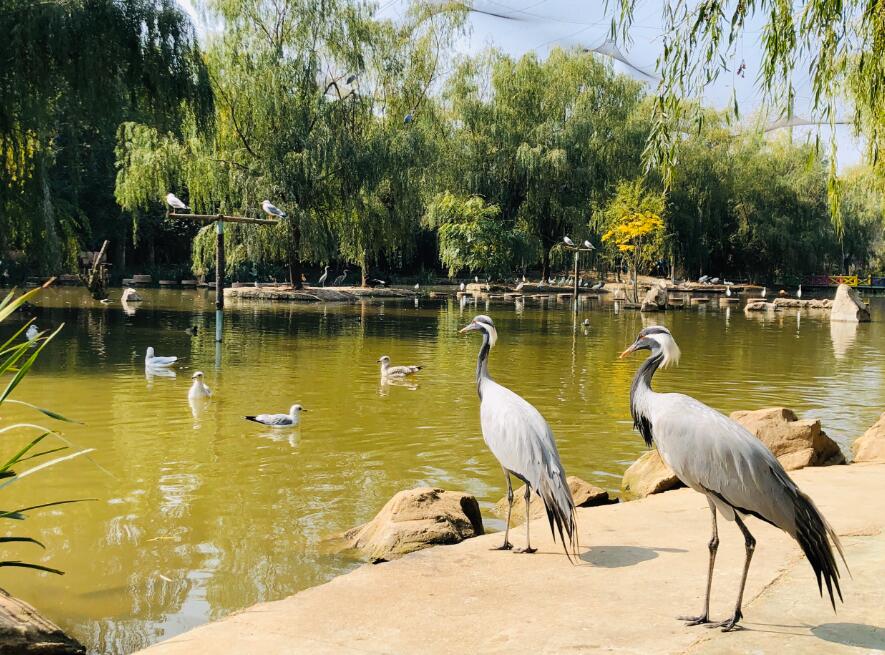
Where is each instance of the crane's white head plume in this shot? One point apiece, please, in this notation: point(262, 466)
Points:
point(658, 340)
point(484, 323)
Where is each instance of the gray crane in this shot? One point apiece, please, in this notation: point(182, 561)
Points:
point(324, 277)
point(523, 444)
point(340, 279)
point(739, 476)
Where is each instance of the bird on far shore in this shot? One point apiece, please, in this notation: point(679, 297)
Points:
point(270, 210)
point(198, 388)
point(728, 291)
point(324, 277)
point(32, 332)
point(462, 286)
point(388, 371)
point(153, 361)
point(799, 292)
point(523, 443)
point(417, 286)
point(289, 420)
point(476, 279)
point(340, 279)
point(739, 476)
point(764, 293)
point(174, 201)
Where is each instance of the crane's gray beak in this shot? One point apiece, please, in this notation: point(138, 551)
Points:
point(471, 327)
point(631, 349)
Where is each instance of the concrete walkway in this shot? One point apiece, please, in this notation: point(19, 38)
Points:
point(642, 563)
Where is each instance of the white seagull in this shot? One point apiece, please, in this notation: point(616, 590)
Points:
point(462, 286)
point(388, 371)
point(174, 201)
point(291, 419)
point(32, 332)
point(198, 388)
point(152, 361)
point(588, 245)
point(270, 210)
point(568, 242)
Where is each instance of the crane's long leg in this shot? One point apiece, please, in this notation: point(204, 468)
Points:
point(713, 546)
point(507, 545)
point(750, 545)
point(528, 550)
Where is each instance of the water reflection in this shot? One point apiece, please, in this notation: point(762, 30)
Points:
point(204, 513)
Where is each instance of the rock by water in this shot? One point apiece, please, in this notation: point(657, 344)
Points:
point(871, 446)
point(795, 443)
point(24, 630)
point(583, 493)
point(414, 519)
point(655, 299)
point(847, 306)
point(648, 475)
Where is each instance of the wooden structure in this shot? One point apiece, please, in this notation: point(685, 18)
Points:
point(220, 220)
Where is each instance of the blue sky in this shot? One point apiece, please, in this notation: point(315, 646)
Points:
point(540, 25)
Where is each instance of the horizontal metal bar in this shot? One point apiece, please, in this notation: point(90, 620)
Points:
point(221, 217)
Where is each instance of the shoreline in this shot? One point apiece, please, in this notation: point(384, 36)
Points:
point(641, 563)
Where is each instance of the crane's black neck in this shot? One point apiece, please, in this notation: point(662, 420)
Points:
point(639, 390)
point(482, 363)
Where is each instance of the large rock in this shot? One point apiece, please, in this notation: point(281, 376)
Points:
point(847, 306)
point(416, 519)
point(23, 630)
point(795, 443)
point(648, 475)
point(871, 446)
point(655, 299)
point(760, 306)
point(583, 493)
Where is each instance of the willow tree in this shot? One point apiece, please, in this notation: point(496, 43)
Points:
point(311, 96)
point(840, 43)
point(543, 140)
point(70, 72)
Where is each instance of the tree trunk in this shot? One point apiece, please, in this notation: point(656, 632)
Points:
point(294, 256)
point(545, 263)
point(364, 269)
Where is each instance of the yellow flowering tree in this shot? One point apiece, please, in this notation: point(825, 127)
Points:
point(634, 226)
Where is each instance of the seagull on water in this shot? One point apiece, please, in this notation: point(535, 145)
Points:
point(174, 201)
point(270, 210)
point(291, 419)
point(388, 371)
point(198, 388)
point(32, 332)
point(153, 361)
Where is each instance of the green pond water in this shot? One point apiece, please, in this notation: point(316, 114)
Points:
point(198, 516)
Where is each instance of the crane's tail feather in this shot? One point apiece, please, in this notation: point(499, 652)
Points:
point(817, 538)
point(561, 513)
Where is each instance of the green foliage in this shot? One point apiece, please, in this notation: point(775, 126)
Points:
point(73, 71)
point(473, 237)
point(17, 356)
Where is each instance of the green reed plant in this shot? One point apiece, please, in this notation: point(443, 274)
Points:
point(17, 356)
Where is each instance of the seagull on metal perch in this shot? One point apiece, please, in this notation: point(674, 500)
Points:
point(588, 245)
point(739, 476)
point(270, 210)
point(568, 242)
point(174, 201)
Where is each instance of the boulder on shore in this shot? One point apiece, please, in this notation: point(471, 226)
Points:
point(414, 519)
point(583, 493)
point(23, 630)
point(655, 299)
point(795, 443)
point(130, 295)
point(847, 306)
point(760, 306)
point(648, 475)
point(871, 446)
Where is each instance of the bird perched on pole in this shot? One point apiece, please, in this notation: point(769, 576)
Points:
point(738, 475)
point(523, 443)
point(173, 201)
point(588, 245)
point(324, 277)
point(568, 242)
point(270, 210)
